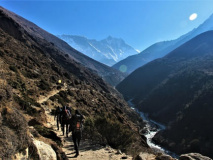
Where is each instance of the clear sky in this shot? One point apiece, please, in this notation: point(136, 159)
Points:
point(140, 23)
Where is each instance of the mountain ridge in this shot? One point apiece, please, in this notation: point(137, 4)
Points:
point(112, 76)
point(174, 90)
point(160, 49)
point(108, 51)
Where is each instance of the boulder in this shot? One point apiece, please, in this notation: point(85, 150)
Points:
point(118, 152)
point(164, 157)
point(145, 156)
point(45, 151)
point(193, 156)
point(138, 157)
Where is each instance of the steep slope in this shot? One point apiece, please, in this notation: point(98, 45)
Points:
point(176, 90)
point(107, 51)
point(112, 76)
point(160, 49)
point(31, 68)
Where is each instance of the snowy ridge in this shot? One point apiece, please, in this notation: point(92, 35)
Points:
point(108, 51)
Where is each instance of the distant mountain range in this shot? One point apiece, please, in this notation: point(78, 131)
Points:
point(107, 51)
point(177, 90)
point(160, 49)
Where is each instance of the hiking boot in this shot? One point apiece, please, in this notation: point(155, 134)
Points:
point(76, 155)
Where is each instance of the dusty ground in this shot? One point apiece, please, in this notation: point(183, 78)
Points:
point(87, 150)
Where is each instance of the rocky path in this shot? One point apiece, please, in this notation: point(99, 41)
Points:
point(87, 151)
point(42, 99)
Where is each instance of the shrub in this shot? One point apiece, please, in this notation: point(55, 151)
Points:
point(13, 68)
point(18, 85)
point(70, 93)
point(116, 134)
point(44, 85)
point(48, 133)
point(26, 105)
point(104, 130)
point(30, 74)
point(61, 98)
point(13, 137)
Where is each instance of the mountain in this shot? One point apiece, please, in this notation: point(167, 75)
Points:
point(177, 90)
point(110, 75)
point(36, 77)
point(160, 49)
point(107, 51)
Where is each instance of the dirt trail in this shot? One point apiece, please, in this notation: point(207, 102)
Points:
point(42, 99)
point(86, 150)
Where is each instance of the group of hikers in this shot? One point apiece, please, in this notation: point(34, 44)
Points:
point(72, 123)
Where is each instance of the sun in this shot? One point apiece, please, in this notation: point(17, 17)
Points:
point(193, 16)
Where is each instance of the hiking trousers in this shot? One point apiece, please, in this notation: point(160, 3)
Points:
point(76, 137)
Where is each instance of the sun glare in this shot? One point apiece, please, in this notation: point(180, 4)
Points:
point(193, 16)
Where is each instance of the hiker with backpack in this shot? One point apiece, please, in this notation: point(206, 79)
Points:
point(76, 128)
point(65, 119)
point(58, 116)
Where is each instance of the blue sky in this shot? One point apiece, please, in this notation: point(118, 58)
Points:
point(139, 23)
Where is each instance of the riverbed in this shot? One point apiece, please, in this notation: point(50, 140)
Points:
point(151, 129)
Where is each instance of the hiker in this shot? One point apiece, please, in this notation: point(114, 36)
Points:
point(58, 116)
point(65, 119)
point(76, 127)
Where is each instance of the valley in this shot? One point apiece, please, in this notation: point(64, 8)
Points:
point(176, 93)
point(164, 105)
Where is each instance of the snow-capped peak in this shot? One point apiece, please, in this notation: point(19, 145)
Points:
point(108, 51)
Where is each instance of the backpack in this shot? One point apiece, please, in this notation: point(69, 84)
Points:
point(67, 113)
point(78, 123)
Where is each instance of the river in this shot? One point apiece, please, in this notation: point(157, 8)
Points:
point(152, 128)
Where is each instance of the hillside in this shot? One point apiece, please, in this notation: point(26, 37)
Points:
point(31, 68)
point(176, 90)
point(160, 49)
point(107, 51)
point(112, 76)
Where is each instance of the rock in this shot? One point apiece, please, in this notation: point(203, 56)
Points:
point(193, 156)
point(164, 157)
point(144, 131)
point(23, 155)
point(107, 148)
point(45, 151)
point(145, 156)
point(138, 157)
point(118, 152)
point(124, 157)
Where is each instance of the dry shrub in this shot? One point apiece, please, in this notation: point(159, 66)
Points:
point(13, 132)
point(108, 130)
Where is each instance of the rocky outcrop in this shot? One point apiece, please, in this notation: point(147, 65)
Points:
point(164, 157)
point(145, 156)
point(149, 156)
point(193, 156)
point(45, 151)
point(23, 155)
